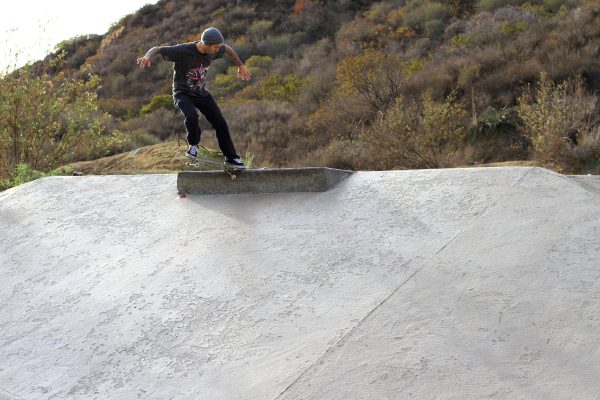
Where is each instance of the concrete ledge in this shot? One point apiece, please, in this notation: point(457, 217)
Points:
point(260, 181)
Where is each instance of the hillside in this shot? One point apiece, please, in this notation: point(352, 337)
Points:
point(363, 84)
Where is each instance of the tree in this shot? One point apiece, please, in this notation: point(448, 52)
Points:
point(45, 122)
point(422, 133)
point(376, 76)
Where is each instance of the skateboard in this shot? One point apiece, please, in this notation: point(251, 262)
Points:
point(229, 169)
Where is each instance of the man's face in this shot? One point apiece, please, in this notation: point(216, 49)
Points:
point(213, 48)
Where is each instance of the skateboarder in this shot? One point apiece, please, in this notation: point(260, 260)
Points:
point(192, 61)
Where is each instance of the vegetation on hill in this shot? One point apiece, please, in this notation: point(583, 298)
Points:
point(352, 84)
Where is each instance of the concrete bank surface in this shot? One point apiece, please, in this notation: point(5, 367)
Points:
point(434, 284)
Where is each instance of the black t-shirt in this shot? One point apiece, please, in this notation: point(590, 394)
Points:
point(191, 67)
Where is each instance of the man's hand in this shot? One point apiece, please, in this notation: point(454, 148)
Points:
point(242, 70)
point(143, 62)
point(244, 73)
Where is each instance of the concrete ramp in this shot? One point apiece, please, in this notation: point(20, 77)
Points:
point(447, 284)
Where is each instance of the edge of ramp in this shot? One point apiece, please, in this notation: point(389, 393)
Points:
point(280, 180)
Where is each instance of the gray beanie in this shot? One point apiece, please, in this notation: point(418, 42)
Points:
point(212, 36)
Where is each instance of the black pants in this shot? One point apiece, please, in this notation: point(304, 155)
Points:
point(189, 106)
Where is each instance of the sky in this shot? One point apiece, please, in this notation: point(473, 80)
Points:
point(33, 28)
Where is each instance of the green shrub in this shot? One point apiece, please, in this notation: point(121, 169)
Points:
point(116, 108)
point(461, 8)
point(121, 142)
point(494, 122)
point(356, 35)
point(281, 44)
point(512, 29)
point(549, 8)
point(378, 11)
point(257, 64)
point(46, 122)
point(587, 153)
point(116, 83)
point(24, 173)
point(319, 19)
point(554, 115)
point(259, 30)
point(343, 154)
point(461, 41)
point(281, 88)
point(418, 134)
point(427, 17)
point(243, 48)
point(74, 52)
point(269, 130)
point(228, 83)
point(491, 5)
point(496, 137)
point(161, 101)
point(160, 124)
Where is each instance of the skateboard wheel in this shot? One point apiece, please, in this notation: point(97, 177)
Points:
point(234, 177)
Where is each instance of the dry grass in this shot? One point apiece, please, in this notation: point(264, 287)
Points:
point(156, 159)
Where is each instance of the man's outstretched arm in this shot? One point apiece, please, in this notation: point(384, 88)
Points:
point(144, 62)
point(243, 72)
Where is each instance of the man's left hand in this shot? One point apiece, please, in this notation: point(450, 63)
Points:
point(244, 73)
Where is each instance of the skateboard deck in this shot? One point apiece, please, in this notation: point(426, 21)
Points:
point(231, 170)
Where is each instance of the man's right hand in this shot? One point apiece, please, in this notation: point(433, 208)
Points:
point(143, 62)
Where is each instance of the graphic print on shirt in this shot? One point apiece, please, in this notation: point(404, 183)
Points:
point(196, 78)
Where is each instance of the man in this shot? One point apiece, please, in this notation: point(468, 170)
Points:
point(192, 61)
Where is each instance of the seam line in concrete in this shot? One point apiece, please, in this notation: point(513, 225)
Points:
point(586, 186)
point(11, 394)
point(491, 206)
